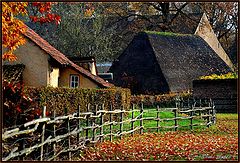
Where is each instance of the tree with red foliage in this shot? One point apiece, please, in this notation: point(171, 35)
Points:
point(13, 28)
point(15, 103)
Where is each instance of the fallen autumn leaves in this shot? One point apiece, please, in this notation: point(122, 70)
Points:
point(217, 143)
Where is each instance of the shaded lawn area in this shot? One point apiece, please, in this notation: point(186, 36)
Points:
point(219, 142)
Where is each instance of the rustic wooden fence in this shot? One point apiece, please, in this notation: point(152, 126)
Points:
point(62, 137)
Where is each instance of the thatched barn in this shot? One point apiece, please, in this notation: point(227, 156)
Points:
point(159, 62)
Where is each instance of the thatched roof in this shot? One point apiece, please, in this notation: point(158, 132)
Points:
point(185, 57)
point(233, 51)
point(161, 62)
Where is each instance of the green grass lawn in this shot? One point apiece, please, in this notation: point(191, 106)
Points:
point(150, 125)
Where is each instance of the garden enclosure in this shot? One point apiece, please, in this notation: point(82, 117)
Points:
point(62, 137)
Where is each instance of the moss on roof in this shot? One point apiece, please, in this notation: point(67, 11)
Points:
point(167, 33)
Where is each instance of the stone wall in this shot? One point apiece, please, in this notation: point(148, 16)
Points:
point(222, 91)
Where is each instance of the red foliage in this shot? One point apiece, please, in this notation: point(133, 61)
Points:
point(16, 105)
point(44, 9)
point(13, 27)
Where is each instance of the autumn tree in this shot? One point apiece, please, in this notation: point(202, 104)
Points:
point(179, 17)
point(84, 31)
point(15, 102)
point(108, 28)
point(13, 27)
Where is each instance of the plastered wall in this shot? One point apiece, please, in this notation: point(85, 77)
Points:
point(54, 75)
point(64, 80)
point(36, 64)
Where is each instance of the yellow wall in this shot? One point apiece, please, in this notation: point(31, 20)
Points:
point(38, 72)
point(36, 64)
point(53, 79)
point(64, 80)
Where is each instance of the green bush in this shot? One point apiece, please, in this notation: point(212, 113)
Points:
point(60, 98)
point(164, 100)
point(230, 75)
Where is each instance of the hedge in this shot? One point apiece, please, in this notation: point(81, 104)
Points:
point(59, 99)
point(163, 100)
point(230, 75)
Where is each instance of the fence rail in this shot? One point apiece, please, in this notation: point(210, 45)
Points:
point(48, 138)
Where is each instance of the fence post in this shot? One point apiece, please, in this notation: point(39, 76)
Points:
point(181, 102)
point(101, 123)
point(54, 135)
point(158, 118)
point(200, 112)
point(178, 106)
point(210, 102)
point(22, 145)
point(213, 113)
point(69, 138)
point(110, 119)
point(209, 118)
point(132, 123)
point(191, 119)
point(79, 124)
point(43, 132)
point(175, 120)
point(94, 122)
point(87, 121)
point(141, 119)
point(121, 122)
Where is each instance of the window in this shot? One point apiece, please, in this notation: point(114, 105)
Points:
point(74, 81)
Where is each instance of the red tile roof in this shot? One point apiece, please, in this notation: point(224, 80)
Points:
point(61, 58)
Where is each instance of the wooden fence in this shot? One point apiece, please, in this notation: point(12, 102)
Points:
point(62, 137)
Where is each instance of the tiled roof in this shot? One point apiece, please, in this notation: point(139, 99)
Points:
point(13, 73)
point(61, 58)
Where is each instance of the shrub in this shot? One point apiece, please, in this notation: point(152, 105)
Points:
point(16, 105)
point(60, 98)
point(164, 100)
point(230, 75)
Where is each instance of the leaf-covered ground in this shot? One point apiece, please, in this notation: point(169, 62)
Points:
point(219, 142)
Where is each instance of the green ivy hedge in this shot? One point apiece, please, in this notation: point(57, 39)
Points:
point(60, 98)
